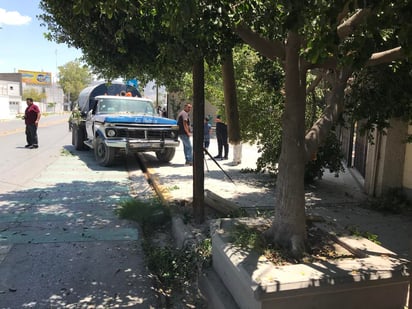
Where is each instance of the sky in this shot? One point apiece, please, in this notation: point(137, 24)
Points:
point(23, 46)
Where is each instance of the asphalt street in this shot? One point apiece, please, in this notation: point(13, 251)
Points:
point(61, 244)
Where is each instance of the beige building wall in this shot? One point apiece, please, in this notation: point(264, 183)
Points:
point(407, 172)
point(385, 160)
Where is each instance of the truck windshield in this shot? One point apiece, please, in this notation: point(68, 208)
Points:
point(120, 106)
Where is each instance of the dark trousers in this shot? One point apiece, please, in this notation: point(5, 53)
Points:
point(222, 145)
point(31, 134)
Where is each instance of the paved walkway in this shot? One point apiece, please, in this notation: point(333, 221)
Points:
point(62, 245)
point(337, 199)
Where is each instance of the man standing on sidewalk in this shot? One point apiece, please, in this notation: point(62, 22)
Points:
point(31, 118)
point(184, 132)
point(221, 135)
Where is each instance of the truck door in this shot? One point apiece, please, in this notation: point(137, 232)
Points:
point(90, 121)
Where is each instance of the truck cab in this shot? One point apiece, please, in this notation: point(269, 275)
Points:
point(112, 125)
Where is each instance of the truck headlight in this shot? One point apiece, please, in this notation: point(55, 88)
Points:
point(111, 133)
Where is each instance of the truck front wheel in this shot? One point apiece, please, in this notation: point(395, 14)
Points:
point(166, 154)
point(104, 155)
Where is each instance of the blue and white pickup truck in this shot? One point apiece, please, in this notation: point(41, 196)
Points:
point(112, 124)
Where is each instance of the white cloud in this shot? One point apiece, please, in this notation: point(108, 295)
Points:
point(13, 18)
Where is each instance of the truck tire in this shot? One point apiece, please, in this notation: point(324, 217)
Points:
point(104, 155)
point(166, 154)
point(78, 137)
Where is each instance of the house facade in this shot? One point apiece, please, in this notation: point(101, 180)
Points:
point(382, 163)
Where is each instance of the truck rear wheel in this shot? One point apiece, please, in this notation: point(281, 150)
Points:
point(104, 155)
point(166, 154)
point(78, 137)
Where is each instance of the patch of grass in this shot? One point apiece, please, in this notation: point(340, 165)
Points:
point(65, 152)
point(319, 246)
point(250, 238)
point(148, 213)
point(355, 231)
point(176, 268)
point(249, 170)
point(172, 188)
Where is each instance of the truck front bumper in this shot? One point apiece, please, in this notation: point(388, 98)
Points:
point(141, 144)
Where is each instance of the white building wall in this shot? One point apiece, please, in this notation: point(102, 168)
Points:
point(4, 107)
point(10, 98)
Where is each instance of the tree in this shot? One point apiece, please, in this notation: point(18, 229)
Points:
point(34, 94)
point(231, 106)
point(332, 40)
point(73, 77)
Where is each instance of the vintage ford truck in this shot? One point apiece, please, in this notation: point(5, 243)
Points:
point(113, 124)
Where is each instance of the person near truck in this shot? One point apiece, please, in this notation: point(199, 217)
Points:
point(31, 118)
point(183, 122)
point(206, 133)
point(221, 136)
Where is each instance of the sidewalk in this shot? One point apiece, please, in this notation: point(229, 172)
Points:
point(336, 199)
point(63, 246)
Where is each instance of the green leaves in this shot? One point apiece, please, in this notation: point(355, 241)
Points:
point(73, 77)
point(380, 93)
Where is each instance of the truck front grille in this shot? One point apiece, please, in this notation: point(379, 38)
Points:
point(146, 134)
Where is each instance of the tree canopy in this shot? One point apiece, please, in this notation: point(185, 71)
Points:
point(152, 40)
point(73, 77)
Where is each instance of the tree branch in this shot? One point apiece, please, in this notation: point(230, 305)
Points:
point(273, 50)
point(317, 135)
point(346, 28)
point(386, 56)
point(314, 83)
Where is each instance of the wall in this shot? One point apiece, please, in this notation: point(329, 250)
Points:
point(385, 160)
point(407, 172)
point(10, 91)
point(4, 107)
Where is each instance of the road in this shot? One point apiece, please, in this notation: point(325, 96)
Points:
point(61, 244)
point(19, 165)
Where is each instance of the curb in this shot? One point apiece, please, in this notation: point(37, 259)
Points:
point(215, 292)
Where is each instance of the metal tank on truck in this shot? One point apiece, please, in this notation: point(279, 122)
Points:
point(113, 119)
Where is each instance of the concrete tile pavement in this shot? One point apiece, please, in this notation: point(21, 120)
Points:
point(62, 245)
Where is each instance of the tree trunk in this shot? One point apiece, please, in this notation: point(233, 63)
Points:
point(289, 225)
point(231, 106)
point(317, 135)
point(198, 155)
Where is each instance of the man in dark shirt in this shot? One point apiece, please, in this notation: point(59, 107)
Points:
point(184, 132)
point(31, 118)
point(221, 136)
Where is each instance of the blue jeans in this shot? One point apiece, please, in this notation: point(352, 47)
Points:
point(187, 147)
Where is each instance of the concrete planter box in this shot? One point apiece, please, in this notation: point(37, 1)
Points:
point(379, 279)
